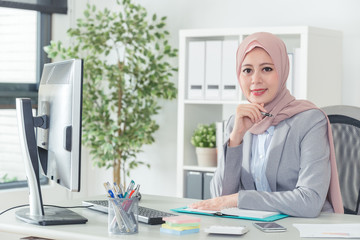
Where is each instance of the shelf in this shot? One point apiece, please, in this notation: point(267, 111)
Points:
point(199, 169)
point(213, 102)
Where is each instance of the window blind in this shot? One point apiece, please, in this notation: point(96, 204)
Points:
point(18, 29)
point(11, 162)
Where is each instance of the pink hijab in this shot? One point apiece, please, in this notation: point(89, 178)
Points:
point(284, 105)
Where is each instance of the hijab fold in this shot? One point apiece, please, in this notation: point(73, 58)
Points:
point(284, 105)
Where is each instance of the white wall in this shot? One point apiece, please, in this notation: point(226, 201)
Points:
point(183, 14)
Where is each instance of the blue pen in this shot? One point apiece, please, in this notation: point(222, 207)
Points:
point(118, 191)
point(106, 185)
point(122, 190)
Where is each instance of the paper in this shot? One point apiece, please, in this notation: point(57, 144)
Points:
point(238, 212)
point(230, 230)
point(329, 230)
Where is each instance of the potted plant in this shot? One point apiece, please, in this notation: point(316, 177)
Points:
point(204, 140)
point(126, 70)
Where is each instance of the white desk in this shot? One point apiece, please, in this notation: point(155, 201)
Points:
point(96, 227)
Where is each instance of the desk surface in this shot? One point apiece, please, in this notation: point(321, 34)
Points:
point(96, 227)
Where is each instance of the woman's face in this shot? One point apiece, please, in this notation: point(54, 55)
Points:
point(258, 77)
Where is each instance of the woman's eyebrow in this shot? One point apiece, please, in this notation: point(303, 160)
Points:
point(262, 64)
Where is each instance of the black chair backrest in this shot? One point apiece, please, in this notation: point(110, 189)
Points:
point(345, 124)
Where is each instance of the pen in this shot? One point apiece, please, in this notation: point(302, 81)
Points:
point(135, 191)
point(266, 114)
point(131, 193)
point(118, 190)
point(122, 190)
point(106, 185)
point(130, 188)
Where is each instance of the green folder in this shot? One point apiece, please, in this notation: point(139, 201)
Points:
point(266, 219)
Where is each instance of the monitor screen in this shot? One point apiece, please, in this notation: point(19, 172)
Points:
point(56, 148)
point(60, 98)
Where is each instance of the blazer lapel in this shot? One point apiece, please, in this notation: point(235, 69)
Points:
point(275, 151)
point(246, 176)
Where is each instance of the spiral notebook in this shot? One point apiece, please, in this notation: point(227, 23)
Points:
point(264, 216)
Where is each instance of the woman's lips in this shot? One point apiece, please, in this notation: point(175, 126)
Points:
point(258, 92)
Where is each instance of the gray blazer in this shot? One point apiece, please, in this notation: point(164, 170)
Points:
point(298, 169)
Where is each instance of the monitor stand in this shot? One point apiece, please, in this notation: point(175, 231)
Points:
point(52, 216)
point(36, 213)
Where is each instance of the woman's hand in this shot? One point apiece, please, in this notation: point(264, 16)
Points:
point(216, 204)
point(246, 116)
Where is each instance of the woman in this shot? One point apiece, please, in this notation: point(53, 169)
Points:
point(280, 155)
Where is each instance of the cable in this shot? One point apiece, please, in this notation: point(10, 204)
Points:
point(87, 206)
point(24, 205)
point(45, 205)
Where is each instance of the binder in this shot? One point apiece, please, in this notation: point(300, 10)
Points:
point(213, 69)
point(196, 69)
point(194, 184)
point(229, 84)
point(207, 176)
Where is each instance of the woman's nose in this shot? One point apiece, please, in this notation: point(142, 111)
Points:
point(256, 78)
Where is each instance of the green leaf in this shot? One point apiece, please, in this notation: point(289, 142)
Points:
point(86, 13)
point(160, 25)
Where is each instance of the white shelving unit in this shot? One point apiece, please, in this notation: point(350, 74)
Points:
point(317, 77)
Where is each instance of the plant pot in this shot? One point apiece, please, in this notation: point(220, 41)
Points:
point(206, 157)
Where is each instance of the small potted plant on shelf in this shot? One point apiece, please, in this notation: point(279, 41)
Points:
point(204, 140)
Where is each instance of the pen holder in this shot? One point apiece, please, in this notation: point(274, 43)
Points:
point(123, 216)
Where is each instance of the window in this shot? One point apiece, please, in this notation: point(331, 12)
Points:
point(12, 165)
point(25, 28)
point(17, 45)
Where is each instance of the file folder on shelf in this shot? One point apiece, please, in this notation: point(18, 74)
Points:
point(207, 176)
point(194, 185)
point(196, 69)
point(213, 69)
point(229, 83)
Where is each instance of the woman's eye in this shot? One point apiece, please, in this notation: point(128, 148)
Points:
point(267, 69)
point(247, 70)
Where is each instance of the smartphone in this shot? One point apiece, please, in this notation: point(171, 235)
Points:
point(269, 227)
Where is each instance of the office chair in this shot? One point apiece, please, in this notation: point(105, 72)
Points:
point(345, 125)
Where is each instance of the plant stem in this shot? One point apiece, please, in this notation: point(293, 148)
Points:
point(117, 163)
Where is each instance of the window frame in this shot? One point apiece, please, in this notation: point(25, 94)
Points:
point(10, 91)
point(45, 9)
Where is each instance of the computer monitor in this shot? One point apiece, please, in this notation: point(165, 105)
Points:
point(55, 151)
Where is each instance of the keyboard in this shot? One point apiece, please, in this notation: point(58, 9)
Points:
point(145, 215)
